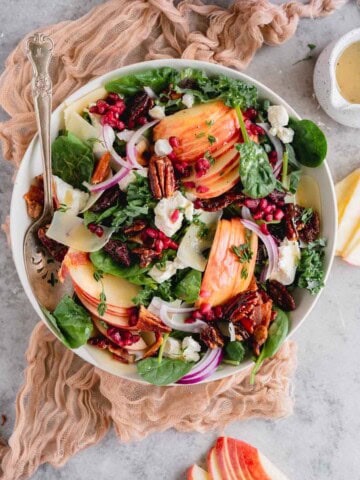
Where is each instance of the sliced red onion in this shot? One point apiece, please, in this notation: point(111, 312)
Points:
point(270, 245)
point(167, 311)
point(150, 92)
point(131, 145)
point(277, 146)
point(246, 214)
point(108, 183)
point(108, 135)
point(203, 369)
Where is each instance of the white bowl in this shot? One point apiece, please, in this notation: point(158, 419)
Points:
point(31, 166)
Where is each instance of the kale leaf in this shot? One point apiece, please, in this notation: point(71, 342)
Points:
point(310, 271)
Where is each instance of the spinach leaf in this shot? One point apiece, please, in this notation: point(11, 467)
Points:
point(164, 372)
point(134, 274)
point(163, 290)
point(71, 322)
point(72, 160)
point(276, 336)
point(54, 326)
point(294, 179)
point(99, 217)
point(309, 142)
point(156, 78)
point(310, 272)
point(235, 351)
point(188, 289)
point(144, 297)
point(256, 173)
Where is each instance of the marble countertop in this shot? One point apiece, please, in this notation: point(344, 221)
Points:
point(321, 439)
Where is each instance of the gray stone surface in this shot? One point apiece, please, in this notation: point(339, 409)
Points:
point(321, 439)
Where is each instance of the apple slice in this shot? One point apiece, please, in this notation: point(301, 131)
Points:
point(205, 127)
point(221, 164)
point(220, 186)
point(228, 468)
point(271, 470)
point(344, 190)
point(213, 466)
point(197, 473)
point(223, 265)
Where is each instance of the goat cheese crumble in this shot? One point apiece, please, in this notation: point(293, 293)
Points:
point(74, 199)
point(162, 147)
point(188, 349)
point(289, 257)
point(278, 118)
point(162, 274)
point(166, 207)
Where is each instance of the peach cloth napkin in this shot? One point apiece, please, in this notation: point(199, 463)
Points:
point(66, 405)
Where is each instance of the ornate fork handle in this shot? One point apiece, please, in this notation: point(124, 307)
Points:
point(39, 50)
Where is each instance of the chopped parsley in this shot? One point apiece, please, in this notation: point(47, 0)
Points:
point(200, 134)
point(63, 208)
point(243, 252)
point(306, 215)
point(244, 273)
point(209, 157)
point(203, 229)
point(209, 123)
point(101, 308)
point(211, 139)
point(310, 272)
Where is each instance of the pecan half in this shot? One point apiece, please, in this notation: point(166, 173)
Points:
point(119, 353)
point(135, 228)
point(212, 336)
point(149, 322)
point(280, 295)
point(240, 309)
point(161, 177)
point(146, 255)
point(118, 251)
point(219, 203)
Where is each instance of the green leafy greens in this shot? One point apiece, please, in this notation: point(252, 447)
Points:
point(309, 142)
point(256, 173)
point(71, 322)
point(156, 78)
point(162, 371)
point(72, 160)
point(188, 288)
point(235, 352)
point(310, 271)
point(276, 336)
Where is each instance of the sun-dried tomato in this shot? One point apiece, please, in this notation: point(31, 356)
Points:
point(118, 251)
point(56, 250)
point(139, 108)
point(219, 203)
point(107, 199)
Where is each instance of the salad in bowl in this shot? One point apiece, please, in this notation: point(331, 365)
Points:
point(182, 220)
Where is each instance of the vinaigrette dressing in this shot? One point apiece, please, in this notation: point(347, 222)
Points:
point(348, 73)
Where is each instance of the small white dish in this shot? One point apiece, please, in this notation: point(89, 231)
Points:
point(31, 166)
point(325, 85)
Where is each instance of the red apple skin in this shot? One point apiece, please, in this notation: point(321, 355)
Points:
point(213, 467)
point(250, 461)
point(234, 459)
point(226, 466)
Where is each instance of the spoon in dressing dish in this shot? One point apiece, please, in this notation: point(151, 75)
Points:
point(41, 268)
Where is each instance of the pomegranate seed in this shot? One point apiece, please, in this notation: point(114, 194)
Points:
point(189, 184)
point(270, 208)
point(273, 157)
point(189, 320)
point(113, 98)
point(174, 142)
point(258, 215)
point(269, 218)
point(173, 157)
point(96, 229)
point(205, 308)
point(173, 245)
point(94, 109)
point(159, 246)
point(202, 189)
point(102, 106)
point(278, 214)
point(280, 203)
point(205, 293)
point(175, 215)
point(196, 315)
point(218, 311)
point(250, 113)
point(152, 233)
point(141, 121)
point(133, 317)
point(263, 203)
point(264, 229)
point(209, 316)
point(251, 203)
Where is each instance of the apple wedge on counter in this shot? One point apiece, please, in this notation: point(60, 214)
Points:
point(232, 459)
point(348, 202)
